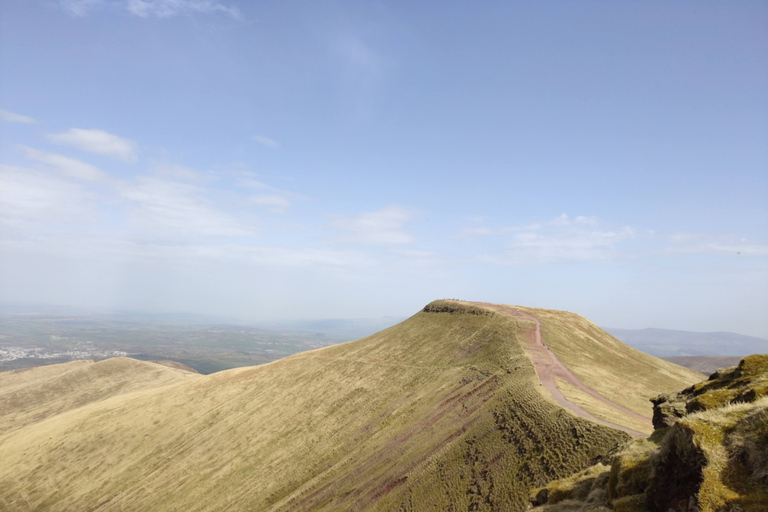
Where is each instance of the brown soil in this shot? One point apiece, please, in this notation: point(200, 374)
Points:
point(548, 367)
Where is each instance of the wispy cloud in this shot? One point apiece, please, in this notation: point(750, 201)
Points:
point(385, 227)
point(69, 166)
point(363, 68)
point(359, 56)
point(173, 209)
point(33, 200)
point(266, 141)
point(172, 170)
point(571, 244)
point(277, 256)
point(274, 199)
point(168, 8)
point(15, 118)
point(470, 233)
point(275, 204)
point(152, 8)
point(559, 239)
point(698, 243)
point(96, 141)
point(80, 7)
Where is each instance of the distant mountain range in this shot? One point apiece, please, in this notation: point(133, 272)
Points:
point(667, 342)
point(704, 364)
point(342, 329)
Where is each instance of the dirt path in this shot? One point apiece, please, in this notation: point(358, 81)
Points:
point(548, 367)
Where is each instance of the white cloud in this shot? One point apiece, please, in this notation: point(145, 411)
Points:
point(559, 239)
point(698, 243)
point(152, 8)
point(681, 238)
point(591, 221)
point(275, 204)
point(96, 141)
point(80, 7)
point(360, 79)
point(169, 8)
point(469, 234)
point(384, 227)
point(15, 118)
point(285, 256)
point(562, 220)
point(175, 209)
point(359, 56)
point(31, 200)
point(174, 171)
point(569, 244)
point(266, 141)
point(69, 166)
point(274, 199)
point(248, 180)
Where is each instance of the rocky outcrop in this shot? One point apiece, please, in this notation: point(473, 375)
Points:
point(744, 383)
point(709, 453)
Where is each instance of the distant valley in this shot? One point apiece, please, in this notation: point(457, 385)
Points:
point(34, 339)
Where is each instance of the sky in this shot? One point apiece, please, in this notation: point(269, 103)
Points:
point(269, 160)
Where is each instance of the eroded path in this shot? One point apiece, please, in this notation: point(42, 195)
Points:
point(549, 367)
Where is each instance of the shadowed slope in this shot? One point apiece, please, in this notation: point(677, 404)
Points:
point(443, 410)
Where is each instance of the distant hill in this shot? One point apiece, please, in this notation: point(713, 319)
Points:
point(667, 342)
point(30, 395)
point(442, 411)
point(704, 364)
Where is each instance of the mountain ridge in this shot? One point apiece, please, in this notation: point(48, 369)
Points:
point(442, 409)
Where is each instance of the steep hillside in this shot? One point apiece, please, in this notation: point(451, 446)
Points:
point(615, 370)
point(31, 395)
point(443, 411)
point(709, 453)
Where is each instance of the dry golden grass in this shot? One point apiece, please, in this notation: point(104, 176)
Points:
point(714, 460)
point(730, 480)
point(33, 394)
point(441, 410)
point(581, 491)
point(617, 371)
point(602, 410)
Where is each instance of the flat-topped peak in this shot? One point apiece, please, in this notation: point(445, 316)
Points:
point(456, 307)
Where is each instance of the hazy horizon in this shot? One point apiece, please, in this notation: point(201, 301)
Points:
point(190, 319)
point(314, 160)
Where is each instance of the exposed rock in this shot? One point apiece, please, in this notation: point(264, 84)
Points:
point(677, 473)
point(744, 383)
point(540, 498)
point(709, 451)
point(667, 409)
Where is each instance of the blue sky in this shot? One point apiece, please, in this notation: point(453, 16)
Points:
point(274, 160)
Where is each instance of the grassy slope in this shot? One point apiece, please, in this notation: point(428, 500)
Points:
point(439, 412)
point(31, 395)
point(615, 370)
point(716, 457)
